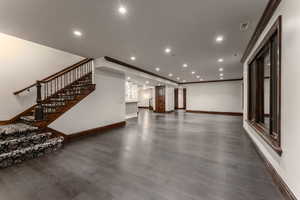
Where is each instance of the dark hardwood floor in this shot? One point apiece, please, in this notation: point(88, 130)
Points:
point(178, 156)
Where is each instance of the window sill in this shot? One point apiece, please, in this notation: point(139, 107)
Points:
point(264, 135)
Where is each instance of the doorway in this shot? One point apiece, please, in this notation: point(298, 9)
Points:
point(184, 98)
point(176, 106)
point(160, 103)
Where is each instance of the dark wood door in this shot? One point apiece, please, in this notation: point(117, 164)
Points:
point(176, 98)
point(184, 98)
point(160, 99)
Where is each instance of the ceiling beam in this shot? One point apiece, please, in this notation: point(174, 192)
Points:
point(113, 60)
point(212, 81)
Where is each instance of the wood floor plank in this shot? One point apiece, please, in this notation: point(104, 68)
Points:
point(179, 156)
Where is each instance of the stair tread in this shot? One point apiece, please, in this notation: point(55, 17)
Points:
point(75, 85)
point(89, 81)
point(28, 118)
point(57, 99)
point(20, 155)
point(63, 94)
point(81, 85)
point(23, 142)
point(24, 138)
point(18, 127)
point(53, 104)
point(49, 141)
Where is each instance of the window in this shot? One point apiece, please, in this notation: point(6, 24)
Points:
point(264, 88)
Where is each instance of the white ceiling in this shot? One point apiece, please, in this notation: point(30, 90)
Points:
point(189, 27)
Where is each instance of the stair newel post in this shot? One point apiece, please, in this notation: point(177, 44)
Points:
point(39, 111)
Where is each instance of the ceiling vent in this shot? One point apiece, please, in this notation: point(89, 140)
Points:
point(244, 26)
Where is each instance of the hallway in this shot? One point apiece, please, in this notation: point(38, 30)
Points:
point(178, 156)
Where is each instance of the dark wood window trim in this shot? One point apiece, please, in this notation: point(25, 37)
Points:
point(254, 102)
point(263, 22)
point(263, 133)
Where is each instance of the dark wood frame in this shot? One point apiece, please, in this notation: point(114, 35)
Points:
point(184, 98)
point(211, 81)
point(254, 108)
point(176, 98)
point(263, 22)
point(116, 61)
point(215, 112)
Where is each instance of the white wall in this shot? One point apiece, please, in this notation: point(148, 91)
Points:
point(180, 98)
point(153, 101)
point(144, 95)
point(131, 109)
point(169, 99)
point(289, 163)
point(105, 106)
point(215, 96)
point(21, 64)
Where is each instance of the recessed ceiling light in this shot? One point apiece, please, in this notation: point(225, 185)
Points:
point(122, 9)
point(185, 65)
point(77, 33)
point(221, 69)
point(221, 74)
point(221, 78)
point(201, 79)
point(219, 39)
point(128, 78)
point(157, 69)
point(168, 50)
point(221, 60)
point(133, 58)
point(178, 78)
point(147, 82)
point(193, 72)
point(184, 81)
point(170, 74)
point(198, 76)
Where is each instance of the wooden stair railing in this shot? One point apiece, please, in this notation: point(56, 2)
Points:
point(84, 61)
point(55, 83)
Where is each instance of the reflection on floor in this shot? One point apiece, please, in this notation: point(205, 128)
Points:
point(178, 156)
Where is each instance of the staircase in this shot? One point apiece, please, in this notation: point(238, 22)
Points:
point(28, 136)
point(20, 142)
point(60, 102)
